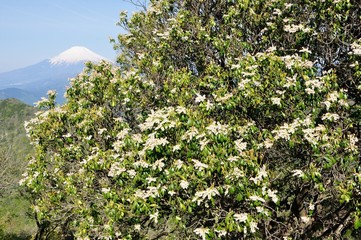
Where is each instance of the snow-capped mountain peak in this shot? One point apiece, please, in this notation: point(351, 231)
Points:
point(75, 55)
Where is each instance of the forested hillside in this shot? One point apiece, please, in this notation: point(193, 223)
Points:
point(14, 147)
point(13, 114)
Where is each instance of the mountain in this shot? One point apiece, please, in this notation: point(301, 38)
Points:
point(32, 82)
point(22, 95)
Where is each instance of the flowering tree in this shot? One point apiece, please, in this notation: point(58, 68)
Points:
point(223, 119)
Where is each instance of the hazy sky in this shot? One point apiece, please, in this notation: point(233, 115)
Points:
point(34, 30)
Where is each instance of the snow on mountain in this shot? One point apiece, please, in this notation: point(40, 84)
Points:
point(34, 81)
point(75, 55)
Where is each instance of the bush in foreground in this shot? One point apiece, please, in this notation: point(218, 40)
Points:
point(223, 119)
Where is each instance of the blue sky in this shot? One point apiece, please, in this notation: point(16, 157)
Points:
point(34, 30)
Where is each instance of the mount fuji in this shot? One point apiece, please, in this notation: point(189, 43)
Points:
point(31, 83)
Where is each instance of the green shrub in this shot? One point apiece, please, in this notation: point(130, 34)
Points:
point(223, 119)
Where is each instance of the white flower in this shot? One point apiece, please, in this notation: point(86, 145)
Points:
point(123, 133)
point(141, 194)
point(311, 207)
point(305, 219)
point(240, 217)
point(184, 184)
point(206, 194)
point(343, 102)
point(353, 143)
point(68, 135)
point(201, 232)
point(242, 83)
point(356, 48)
point(272, 195)
point(257, 198)
point(291, 81)
point(306, 50)
point(262, 172)
point(101, 130)
point(151, 179)
point(132, 173)
point(281, 134)
point(200, 98)
point(203, 143)
point(141, 163)
point(190, 134)
point(298, 173)
point(235, 66)
point(221, 233)
point(199, 136)
point(209, 105)
point(310, 91)
point(271, 49)
point(332, 97)
point(233, 158)
point(291, 28)
point(224, 98)
point(262, 210)
point(279, 92)
point(137, 227)
point(248, 74)
point(276, 101)
point(277, 11)
point(176, 148)
point(327, 104)
point(314, 83)
point(154, 217)
point(217, 128)
point(268, 143)
point(199, 165)
point(51, 92)
point(310, 135)
point(330, 116)
point(105, 190)
point(253, 226)
point(236, 173)
point(115, 170)
point(178, 163)
point(158, 164)
point(118, 119)
point(240, 145)
point(181, 109)
point(153, 142)
point(23, 180)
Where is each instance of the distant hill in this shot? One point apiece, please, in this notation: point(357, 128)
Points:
point(31, 83)
point(22, 95)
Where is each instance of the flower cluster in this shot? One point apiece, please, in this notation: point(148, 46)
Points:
point(356, 49)
point(292, 28)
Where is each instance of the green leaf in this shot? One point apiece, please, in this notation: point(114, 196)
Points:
point(357, 223)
